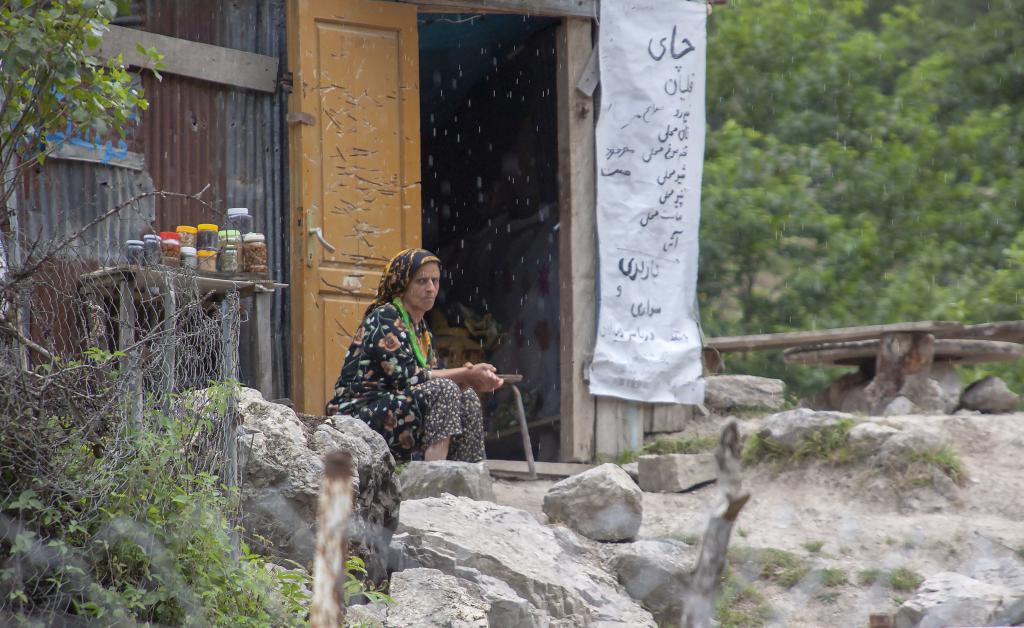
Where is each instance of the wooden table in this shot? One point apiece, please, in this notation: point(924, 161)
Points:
point(128, 285)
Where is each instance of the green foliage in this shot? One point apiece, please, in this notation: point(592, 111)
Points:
point(739, 604)
point(830, 445)
point(814, 546)
point(136, 533)
point(355, 583)
point(833, 577)
point(774, 565)
point(868, 577)
point(946, 459)
point(904, 579)
point(876, 180)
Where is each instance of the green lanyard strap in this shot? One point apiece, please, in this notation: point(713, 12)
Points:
point(412, 332)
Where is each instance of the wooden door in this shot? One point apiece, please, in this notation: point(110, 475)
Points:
point(354, 140)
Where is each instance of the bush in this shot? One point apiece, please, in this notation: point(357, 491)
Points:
point(904, 579)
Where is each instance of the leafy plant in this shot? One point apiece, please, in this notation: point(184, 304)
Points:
point(904, 579)
point(833, 577)
point(868, 577)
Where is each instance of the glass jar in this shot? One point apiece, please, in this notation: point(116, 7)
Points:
point(207, 237)
point(170, 248)
point(239, 220)
point(151, 252)
point(254, 253)
point(206, 261)
point(227, 259)
point(187, 234)
point(189, 259)
point(133, 253)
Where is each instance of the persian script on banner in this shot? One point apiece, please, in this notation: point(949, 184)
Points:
point(650, 154)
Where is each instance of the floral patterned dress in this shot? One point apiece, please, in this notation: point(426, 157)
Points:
point(382, 384)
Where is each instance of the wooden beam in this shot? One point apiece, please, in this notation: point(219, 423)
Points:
point(760, 342)
point(552, 8)
point(577, 241)
point(216, 64)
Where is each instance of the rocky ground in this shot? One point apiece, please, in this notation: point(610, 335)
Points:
point(856, 521)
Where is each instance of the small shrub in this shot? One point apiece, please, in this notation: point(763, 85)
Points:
point(831, 445)
point(947, 460)
point(814, 546)
point(833, 577)
point(739, 604)
point(903, 579)
point(774, 565)
point(868, 577)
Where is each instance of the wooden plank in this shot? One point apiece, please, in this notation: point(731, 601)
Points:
point(553, 8)
point(98, 154)
point(669, 417)
point(261, 351)
point(519, 469)
point(959, 352)
point(760, 342)
point(577, 241)
point(1008, 331)
point(619, 427)
point(216, 64)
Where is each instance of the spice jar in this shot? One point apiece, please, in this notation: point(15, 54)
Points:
point(187, 234)
point(206, 261)
point(207, 237)
point(189, 259)
point(151, 249)
point(170, 248)
point(239, 220)
point(228, 258)
point(254, 253)
point(133, 253)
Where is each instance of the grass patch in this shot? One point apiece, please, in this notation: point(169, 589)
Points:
point(903, 579)
point(814, 546)
point(831, 445)
point(946, 460)
point(665, 445)
point(868, 577)
point(774, 565)
point(740, 605)
point(833, 577)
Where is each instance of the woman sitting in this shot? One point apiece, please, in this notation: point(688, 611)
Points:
point(390, 377)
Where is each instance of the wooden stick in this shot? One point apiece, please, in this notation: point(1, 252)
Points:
point(331, 546)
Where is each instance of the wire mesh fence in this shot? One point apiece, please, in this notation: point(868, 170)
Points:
point(96, 365)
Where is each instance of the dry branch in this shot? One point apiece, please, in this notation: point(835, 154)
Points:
point(332, 518)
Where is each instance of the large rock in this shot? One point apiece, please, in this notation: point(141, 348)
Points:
point(952, 599)
point(281, 467)
point(602, 503)
point(549, 567)
point(899, 450)
point(656, 573)
point(990, 395)
point(731, 392)
point(788, 429)
point(432, 479)
point(869, 436)
point(671, 473)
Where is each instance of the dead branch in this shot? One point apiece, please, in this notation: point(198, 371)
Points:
point(329, 569)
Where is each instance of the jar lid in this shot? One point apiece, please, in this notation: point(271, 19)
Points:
point(230, 233)
point(169, 235)
point(238, 211)
point(150, 237)
point(206, 226)
point(133, 242)
point(186, 229)
point(253, 237)
point(188, 250)
point(206, 253)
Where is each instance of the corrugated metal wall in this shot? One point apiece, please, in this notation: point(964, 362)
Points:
point(195, 134)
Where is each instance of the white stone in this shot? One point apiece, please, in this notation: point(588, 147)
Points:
point(991, 396)
point(788, 429)
point(602, 503)
point(432, 479)
point(671, 473)
point(952, 599)
point(656, 573)
point(728, 392)
point(869, 436)
point(549, 567)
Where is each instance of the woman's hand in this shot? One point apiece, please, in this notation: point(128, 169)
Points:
point(482, 377)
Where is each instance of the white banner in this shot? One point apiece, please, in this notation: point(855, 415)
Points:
point(650, 154)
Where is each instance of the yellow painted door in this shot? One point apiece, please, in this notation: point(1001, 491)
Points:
point(354, 141)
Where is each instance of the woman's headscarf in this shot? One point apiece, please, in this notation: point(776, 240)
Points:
point(398, 273)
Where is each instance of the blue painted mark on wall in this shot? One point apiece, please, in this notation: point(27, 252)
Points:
point(105, 150)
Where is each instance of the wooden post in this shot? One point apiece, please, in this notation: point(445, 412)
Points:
point(261, 352)
point(229, 355)
point(331, 546)
point(577, 240)
point(127, 319)
point(904, 360)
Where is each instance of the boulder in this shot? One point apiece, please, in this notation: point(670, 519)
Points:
point(900, 406)
point(991, 396)
point(432, 479)
point(952, 599)
point(788, 429)
point(898, 450)
point(602, 503)
point(656, 573)
point(671, 473)
point(729, 392)
point(869, 436)
point(948, 379)
point(281, 466)
point(633, 469)
point(549, 567)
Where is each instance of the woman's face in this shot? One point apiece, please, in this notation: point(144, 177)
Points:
point(422, 290)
